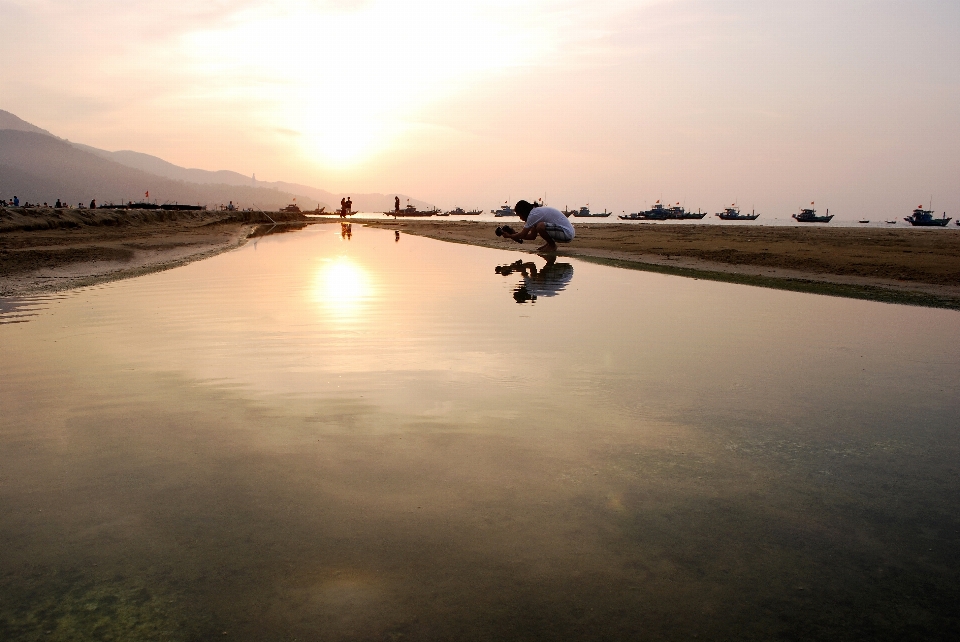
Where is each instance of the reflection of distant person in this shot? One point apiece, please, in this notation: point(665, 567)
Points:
point(396, 203)
point(548, 281)
point(549, 223)
point(397, 237)
point(346, 231)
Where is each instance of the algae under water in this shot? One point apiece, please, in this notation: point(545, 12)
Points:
point(332, 437)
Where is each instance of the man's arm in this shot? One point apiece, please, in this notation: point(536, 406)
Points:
point(527, 234)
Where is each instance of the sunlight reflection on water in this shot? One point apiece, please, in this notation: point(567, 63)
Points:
point(342, 287)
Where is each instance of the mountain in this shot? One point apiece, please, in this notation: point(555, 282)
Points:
point(38, 170)
point(41, 168)
point(9, 121)
point(364, 202)
point(160, 167)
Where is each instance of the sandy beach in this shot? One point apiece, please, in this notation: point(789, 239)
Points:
point(44, 250)
point(903, 265)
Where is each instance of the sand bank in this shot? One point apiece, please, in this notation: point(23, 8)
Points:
point(45, 250)
point(905, 265)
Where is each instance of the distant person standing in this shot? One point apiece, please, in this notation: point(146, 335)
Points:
point(343, 207)
point(349, 205)
point(549, 223)
point(396, 203)
point(16, 202)
point(93, 204)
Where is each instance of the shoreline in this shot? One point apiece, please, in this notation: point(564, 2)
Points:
point(50, 250)
point(904, 266)
point(44, 251)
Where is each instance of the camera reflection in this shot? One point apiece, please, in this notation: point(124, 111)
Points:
point(547, 281)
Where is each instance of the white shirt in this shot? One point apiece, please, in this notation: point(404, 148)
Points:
point(549, 215)
point(550, 280)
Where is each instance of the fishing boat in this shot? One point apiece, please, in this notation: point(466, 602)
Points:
point(894, 222)
point(656, 213)
point(924, 218)
point(179, 207)
point(291, 209)
point(411, 211)
point(473, 213)
point(584, 212)
point(505, 210)
point(863, 221)
point(732, 213)
point(457, 211)
point(683, 215)
point(809, 215)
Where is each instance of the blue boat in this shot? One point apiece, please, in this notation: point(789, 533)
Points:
point(924, 218)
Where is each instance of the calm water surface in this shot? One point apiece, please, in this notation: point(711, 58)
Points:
point(323, 437)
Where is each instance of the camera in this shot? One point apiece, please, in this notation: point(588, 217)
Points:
point(506, 229)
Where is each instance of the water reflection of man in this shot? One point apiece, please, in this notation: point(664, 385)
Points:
point(549, 223)
point(547, 281)
point(346, 231)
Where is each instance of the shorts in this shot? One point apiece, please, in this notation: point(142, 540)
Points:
point(558, 233)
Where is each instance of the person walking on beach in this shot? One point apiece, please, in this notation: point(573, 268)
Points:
point(547, 222)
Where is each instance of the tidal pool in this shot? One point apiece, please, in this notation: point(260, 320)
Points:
point(337, 435)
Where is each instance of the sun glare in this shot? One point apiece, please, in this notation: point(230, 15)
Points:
point(349, 81)
point(342, 287)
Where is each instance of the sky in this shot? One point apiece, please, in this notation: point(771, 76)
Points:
point(773, 104)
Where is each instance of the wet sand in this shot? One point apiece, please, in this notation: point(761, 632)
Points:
point(913, 266)
point(44, 250)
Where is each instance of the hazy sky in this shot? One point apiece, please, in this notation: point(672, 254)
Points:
point(852, 104)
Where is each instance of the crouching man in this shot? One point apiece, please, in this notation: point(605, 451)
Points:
point(549, 223)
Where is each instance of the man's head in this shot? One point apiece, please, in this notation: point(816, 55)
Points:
point(522, 208)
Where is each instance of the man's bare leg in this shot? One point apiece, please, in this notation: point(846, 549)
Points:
point(550, 245)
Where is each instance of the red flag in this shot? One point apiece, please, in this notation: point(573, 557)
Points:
point(148, 194)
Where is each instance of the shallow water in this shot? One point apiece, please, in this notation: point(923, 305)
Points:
point(323, 437)
point(765, 220)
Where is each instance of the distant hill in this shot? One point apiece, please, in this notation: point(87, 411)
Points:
point(38, 170)
point(9, 121)
point(39, 167)
point(371, 202)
